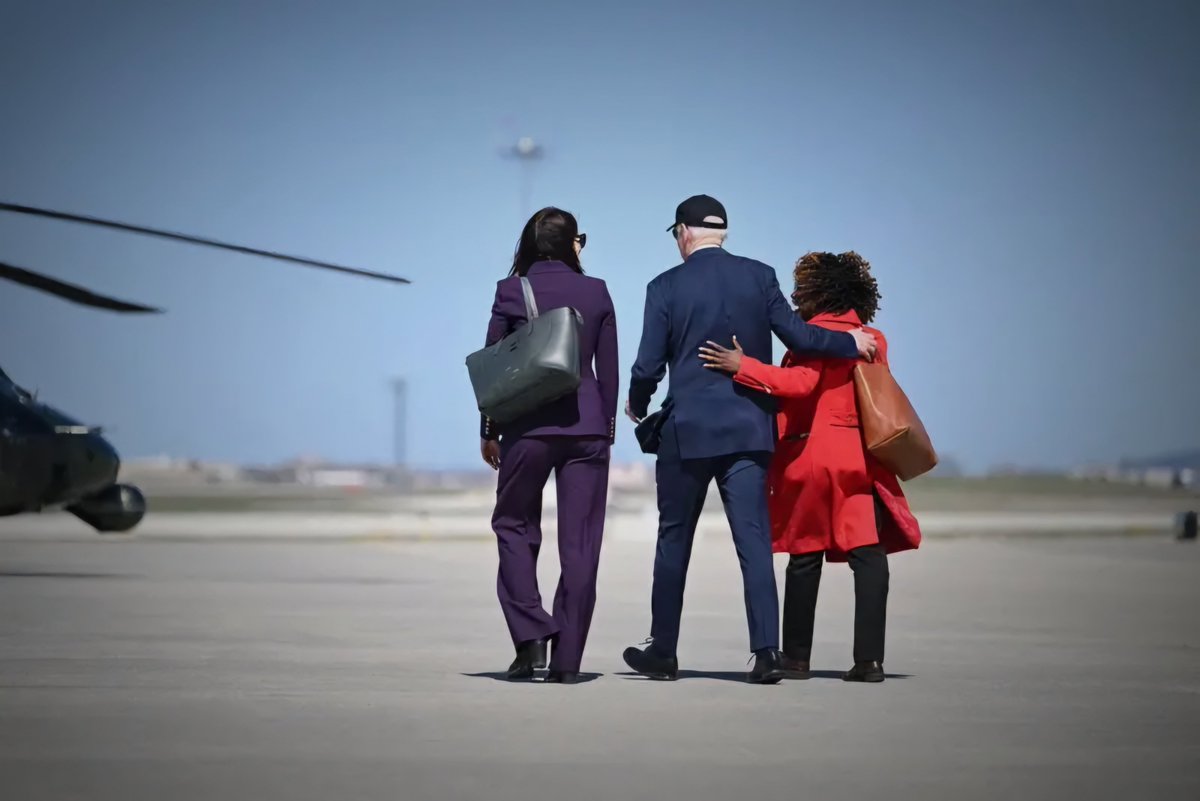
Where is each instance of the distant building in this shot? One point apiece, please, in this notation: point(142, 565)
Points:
point(450, 480)
point(164, 470)
point(339, 477)
point(1146, 475)
point(631, 477)
point(1160, 477)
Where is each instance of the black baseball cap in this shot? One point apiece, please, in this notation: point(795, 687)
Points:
point(693, 211)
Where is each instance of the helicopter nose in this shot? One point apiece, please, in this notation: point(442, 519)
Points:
point(100, 462)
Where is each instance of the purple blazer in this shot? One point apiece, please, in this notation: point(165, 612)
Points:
point(591, 410)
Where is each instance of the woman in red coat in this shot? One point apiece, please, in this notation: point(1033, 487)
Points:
point(828, 498)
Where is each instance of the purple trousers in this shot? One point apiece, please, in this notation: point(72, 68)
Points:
point(580, 466)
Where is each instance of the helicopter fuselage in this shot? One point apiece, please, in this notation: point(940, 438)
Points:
point(48, 459)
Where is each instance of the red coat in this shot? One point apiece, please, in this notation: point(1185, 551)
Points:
point(821, 484)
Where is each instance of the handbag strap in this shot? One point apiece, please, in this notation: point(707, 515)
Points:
point(531, 310)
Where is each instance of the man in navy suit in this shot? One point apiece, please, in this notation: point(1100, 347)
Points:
point(714, 428)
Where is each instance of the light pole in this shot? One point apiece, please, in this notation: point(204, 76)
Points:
point(528, 153)
point(400, 421)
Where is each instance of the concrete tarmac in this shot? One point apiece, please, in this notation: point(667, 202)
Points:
point(475, 524)
point(1018, 668)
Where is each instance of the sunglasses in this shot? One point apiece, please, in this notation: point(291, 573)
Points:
point(582, 240)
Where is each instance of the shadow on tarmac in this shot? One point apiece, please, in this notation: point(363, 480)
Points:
point(584, 678)
point(59, 575)
point(739, 676)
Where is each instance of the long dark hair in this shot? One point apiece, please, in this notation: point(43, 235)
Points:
point(548, 236)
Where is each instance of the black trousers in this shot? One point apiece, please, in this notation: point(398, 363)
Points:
point(871, 575)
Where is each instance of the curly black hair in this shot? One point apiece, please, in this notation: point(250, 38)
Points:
point(828, 283)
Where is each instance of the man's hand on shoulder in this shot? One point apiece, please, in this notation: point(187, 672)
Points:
point(866, 343)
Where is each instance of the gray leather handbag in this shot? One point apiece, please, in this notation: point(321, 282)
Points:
point(534, 365)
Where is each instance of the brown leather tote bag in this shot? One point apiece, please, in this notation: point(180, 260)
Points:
point(892, 431)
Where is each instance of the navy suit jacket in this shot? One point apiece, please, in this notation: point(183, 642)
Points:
point(714, 295)
point(591, 410)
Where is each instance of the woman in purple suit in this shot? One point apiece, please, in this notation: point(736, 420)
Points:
point(570, 437)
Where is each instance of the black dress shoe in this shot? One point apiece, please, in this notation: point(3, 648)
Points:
point(531, 655)
point(649, 663)
point(796, 669)
point(768, 667)
point(865, 671)
point(562, 677)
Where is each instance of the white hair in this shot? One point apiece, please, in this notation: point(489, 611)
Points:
point(700, 233)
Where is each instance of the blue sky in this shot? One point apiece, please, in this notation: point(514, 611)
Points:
point(1021, 175)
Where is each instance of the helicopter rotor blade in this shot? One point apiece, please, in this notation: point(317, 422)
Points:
point(62, 215)
point(71, 292)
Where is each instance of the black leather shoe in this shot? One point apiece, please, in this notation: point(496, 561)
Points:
point(649, 663)
point(768, 667)
point(865, 671)
point(795, 669)
point(562, 677)
point(531, 655)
